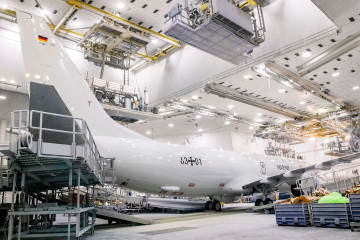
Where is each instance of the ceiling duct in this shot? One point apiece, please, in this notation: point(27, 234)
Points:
point(200, 109)
point(235, 95)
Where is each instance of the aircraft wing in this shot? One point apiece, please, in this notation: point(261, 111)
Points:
point(271, 182)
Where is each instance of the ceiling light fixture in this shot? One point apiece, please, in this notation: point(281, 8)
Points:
point(231, 106)
point(195, 97)
point(211, 107)
point(154, 40)
point(12, 81)
point(171, 125)
point(259, 114)
point(251, 128)
point(302, 102)
point(200, 130)
point(148, 132)
point(197, 116)
point(3, 80)
point(281, 90)
point(227, 123)
point(247, 76)
point(184, 100)
point(307, 54)
point(348, 137)
point(2, 97)
point(355, 88)
point(335, 74)
point(121, 5)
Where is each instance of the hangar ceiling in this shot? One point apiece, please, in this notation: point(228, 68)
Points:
point(339, 76)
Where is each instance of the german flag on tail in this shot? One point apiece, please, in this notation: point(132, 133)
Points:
point(42, 39)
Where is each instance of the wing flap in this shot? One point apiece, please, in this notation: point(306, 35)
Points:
point(346, 159)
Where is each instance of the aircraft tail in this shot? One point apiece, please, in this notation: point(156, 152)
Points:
point(56, 84)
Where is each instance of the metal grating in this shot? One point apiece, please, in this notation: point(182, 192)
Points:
point(214, 39)
point(231, 26)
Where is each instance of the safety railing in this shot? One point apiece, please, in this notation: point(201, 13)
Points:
point(19, 123)
point(24, 121)
point(339, 180)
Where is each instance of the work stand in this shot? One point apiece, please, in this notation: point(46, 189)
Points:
point(46, 156)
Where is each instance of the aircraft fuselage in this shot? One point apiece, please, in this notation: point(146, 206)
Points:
point(154, 167)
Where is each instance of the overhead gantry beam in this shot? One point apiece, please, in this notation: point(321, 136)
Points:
point(9, 13)
point(96, 10)
point(65, 18)
point(307, 84)
point(235, 95)
point(328, 55)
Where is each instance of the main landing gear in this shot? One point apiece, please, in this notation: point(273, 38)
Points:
point(213, 206)
point(260, 202)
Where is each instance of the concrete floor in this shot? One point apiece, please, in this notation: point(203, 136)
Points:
point(223, 225)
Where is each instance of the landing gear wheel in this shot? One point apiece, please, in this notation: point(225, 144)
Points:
point(296, 191)
point(208, 205)
point(110, 222)
point(352, 229)
point(216, 206)
point(268, 201)
point(259, 202)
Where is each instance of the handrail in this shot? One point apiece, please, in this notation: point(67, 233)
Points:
point(93, 154)
point(22, 122)
point(19, 125)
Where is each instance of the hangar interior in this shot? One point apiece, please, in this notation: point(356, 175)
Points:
point(140, 119)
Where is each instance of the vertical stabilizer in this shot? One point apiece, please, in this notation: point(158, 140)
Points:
point(46, 62)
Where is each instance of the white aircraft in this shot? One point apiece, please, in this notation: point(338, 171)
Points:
point(142, 164)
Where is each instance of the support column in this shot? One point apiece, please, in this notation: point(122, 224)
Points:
point(103, 63)
point(78, 215)
point(69, 203)
point(2, 131)
point(78, 189)
point(11, 217)
point(2, 170)
point(70, 188)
